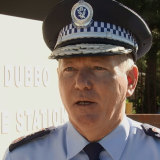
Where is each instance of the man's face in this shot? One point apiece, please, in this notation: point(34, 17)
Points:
point(93, 90)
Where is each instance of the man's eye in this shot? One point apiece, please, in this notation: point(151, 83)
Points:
point(68, 69)
point(98, 68)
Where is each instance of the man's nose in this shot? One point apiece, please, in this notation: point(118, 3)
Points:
point(83, 80)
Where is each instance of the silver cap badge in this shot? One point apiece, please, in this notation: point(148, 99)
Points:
point(82, 13)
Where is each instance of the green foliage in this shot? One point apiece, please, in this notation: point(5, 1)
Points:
point(147, 95)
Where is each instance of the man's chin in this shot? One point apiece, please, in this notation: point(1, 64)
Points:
point(87, 121)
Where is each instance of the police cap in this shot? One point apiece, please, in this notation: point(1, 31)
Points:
point(95, 27)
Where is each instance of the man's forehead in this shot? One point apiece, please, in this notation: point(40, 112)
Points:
point(92, 59)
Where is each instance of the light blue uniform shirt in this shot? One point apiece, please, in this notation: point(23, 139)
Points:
point(126, 142)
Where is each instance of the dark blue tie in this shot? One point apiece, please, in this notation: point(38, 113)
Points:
point(93, 150)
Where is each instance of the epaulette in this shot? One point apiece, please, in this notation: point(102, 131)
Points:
point(151, 130)
point(26, 139)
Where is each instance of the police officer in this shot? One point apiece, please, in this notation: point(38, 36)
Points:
point(96, 43)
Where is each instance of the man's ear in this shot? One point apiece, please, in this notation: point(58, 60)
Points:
point(132, 77)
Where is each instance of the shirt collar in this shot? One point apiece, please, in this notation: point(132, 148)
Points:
point(115, 142)
point(75, 141)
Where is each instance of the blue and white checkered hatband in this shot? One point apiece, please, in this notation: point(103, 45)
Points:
point(97, 30)
point(105, 36)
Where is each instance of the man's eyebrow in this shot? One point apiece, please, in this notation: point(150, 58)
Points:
point(68, 62)
point(97, 60)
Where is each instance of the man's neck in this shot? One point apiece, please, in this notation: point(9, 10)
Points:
point(96, 133)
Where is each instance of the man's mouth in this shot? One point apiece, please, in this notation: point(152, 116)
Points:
point(84, 102)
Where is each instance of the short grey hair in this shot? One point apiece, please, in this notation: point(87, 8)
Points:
point(126, 61)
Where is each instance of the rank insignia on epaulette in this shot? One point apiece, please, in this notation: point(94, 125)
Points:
point(26, 139)
point(151, 130)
